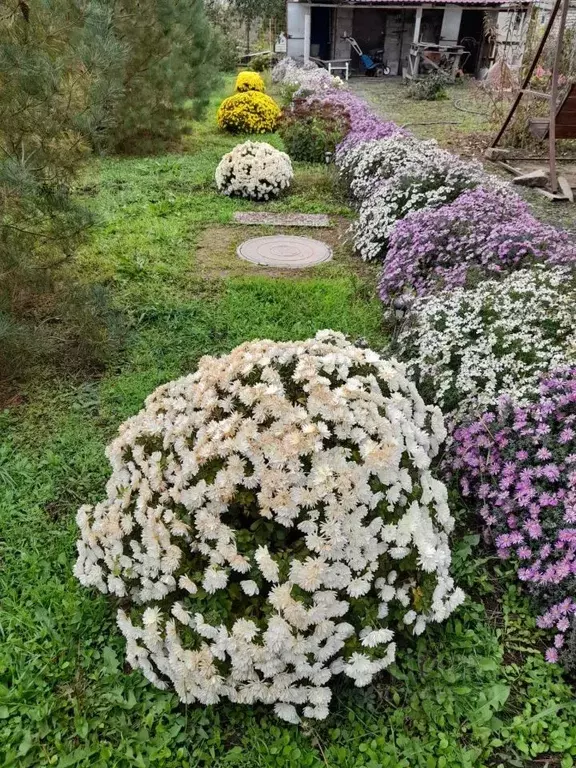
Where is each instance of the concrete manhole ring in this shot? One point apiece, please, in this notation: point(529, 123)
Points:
point(284, 251)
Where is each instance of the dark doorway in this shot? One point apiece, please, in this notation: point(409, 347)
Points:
point(431, 25)
point(472, 38)
point(369, 29)
point(320, 29)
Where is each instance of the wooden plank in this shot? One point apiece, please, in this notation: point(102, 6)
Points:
point(537, 94)
point(565, 119)
point(539, 128)
point(569, 103)
point(565, 188)
point(565, 131)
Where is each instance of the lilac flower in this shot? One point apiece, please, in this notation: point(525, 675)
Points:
point(364, 124)
point(552, 655)
point(529, 508)
point(483, 233)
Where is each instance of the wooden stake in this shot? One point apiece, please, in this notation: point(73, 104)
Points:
point(554, 99)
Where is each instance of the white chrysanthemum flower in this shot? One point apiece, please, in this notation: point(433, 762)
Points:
point(287, 712)
point(214, 580)
point(265, 502)
point(255, 170)
point(185, 582)
point(470, 347)
point(249, 587)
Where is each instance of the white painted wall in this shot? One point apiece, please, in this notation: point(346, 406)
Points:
point(510, 35)
point(545, 8)
point(295, 17)
point(451, 25)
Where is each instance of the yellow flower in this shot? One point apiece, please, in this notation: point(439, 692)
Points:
point(249, 81)
point(417, 598)
point(249, 112)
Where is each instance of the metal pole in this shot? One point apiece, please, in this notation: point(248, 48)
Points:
point(554, 98)
point(528, 77)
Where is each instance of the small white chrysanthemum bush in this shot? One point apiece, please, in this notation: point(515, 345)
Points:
point(255, 170)
point(271, 521)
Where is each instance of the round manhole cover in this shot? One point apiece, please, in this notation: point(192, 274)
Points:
point(284, 251)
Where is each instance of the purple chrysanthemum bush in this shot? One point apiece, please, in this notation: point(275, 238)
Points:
point(517, 465)
point(483, 234)
point(424, 180)
point(364, 124)
point(271, 522)
point(320, 87)
point(484, 295)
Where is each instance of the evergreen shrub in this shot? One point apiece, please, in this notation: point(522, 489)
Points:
point(310, 131)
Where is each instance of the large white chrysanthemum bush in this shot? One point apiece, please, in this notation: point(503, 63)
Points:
point(271, 521)
point(255, 170)
point(466, 348)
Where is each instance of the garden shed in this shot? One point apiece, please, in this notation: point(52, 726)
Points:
point(482, 27)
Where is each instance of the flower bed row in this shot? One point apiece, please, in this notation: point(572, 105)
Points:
point(482, 296)
point(275, 519)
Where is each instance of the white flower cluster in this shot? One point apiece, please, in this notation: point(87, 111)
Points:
point(280, 69)
point(308, 76)
point(467, 348)
point(255, 170)
point(269, 520)
point(427, 181)
point(368, 163)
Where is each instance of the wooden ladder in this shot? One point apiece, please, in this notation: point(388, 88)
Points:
point(561, 123)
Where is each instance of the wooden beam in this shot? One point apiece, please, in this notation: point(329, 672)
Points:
point(537, 94)
point(417, 23)
point(554, 97)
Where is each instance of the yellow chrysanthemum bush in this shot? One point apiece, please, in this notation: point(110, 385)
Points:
point(248, 112)
point(249, 81)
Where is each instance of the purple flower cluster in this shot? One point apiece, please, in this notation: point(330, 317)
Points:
point(482, 234)
point(519, 466)
point(364, 124)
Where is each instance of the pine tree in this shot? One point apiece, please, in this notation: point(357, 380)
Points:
point(168, 69)
point(45, 107)
point(78, 75)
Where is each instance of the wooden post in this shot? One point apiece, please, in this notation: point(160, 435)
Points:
point(417, 23)
point(307, 28)
point(554, 98)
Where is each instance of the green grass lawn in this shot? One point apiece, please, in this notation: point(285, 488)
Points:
point(464, 110)
point(472, 692)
